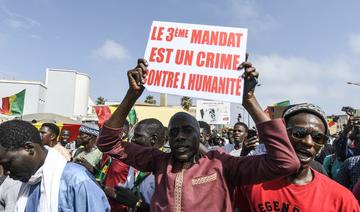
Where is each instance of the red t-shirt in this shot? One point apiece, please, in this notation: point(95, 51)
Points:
point(321, 194)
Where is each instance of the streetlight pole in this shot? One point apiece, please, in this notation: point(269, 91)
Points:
point(354, 83)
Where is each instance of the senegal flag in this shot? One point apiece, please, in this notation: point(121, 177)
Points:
point(13, 105)
point(104, 112)
point(132, 117)
point(330, 121)
point(282, 104)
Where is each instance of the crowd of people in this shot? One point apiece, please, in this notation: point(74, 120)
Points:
point(286, 164)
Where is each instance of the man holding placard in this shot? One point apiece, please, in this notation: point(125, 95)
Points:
point(185, 182)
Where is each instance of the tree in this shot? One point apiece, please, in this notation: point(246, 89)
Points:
point(100, 100)
point(150, 100)
point(186, 103)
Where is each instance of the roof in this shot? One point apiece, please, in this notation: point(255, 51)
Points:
point(48, 117)
point(67, 70)
point(23, 82)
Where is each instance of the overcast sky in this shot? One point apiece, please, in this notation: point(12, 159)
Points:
point(305, 51)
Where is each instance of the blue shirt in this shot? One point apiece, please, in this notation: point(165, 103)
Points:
point(80, 192)
point(332, 165)
point(349, 172)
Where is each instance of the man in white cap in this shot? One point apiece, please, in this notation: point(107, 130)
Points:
point(88, 154)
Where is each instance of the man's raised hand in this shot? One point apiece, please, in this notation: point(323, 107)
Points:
point(250, 78)
point(249, 100)
point(137, 77)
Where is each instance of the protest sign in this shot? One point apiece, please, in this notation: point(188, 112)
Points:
point(196, 60)
point(213, 112)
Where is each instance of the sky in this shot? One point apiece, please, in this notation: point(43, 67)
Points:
point(305, 51)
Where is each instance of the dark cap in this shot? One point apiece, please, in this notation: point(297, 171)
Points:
point(307, 108)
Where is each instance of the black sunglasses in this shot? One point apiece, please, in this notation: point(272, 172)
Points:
point(301, 132)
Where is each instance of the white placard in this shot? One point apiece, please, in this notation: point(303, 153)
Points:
point(196, 60)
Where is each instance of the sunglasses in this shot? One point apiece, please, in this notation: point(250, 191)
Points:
point(301, 133)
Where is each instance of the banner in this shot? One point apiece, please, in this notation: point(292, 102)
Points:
point(213, 112)
point(104, 113)
point(196, 60)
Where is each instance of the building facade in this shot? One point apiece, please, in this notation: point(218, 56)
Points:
point(35, 96)
point(67, 92)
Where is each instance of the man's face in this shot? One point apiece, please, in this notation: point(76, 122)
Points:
point(307, 135)
point(239, 133)
point(19, 164)
point(65, 136)
point(354, 136)
point(216, 139)
point(46, 135)
point(230, 135)
point(204, 136)
point(224, 133)
point(125, 133)
point(140, 136)
point(184, 137)
point(83, 139)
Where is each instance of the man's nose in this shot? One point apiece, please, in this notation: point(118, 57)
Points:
point(181, 136)
point(308, 140)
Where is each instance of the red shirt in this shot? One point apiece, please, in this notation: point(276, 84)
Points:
point(321, 194)
point(117, 173)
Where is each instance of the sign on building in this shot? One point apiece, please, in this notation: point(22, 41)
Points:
point(213, 112)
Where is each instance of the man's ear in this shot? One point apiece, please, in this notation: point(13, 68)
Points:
point(53, 136)
point(29, 147)
point(153, 140)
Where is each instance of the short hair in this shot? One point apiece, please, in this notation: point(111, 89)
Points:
point(15, 133)
point(205, 125)
point(54, 129)
point(242, 124)
point(154, 126)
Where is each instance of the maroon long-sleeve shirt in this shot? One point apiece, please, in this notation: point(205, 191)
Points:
point(207, 184)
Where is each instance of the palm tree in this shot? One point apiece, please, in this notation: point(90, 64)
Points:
point(186, 103)
point(150, 100)
point(100, 100)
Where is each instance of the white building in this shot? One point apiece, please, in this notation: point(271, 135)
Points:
point(35, 96)
point(67, 92)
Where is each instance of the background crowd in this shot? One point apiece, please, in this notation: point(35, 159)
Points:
point(288, 164)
